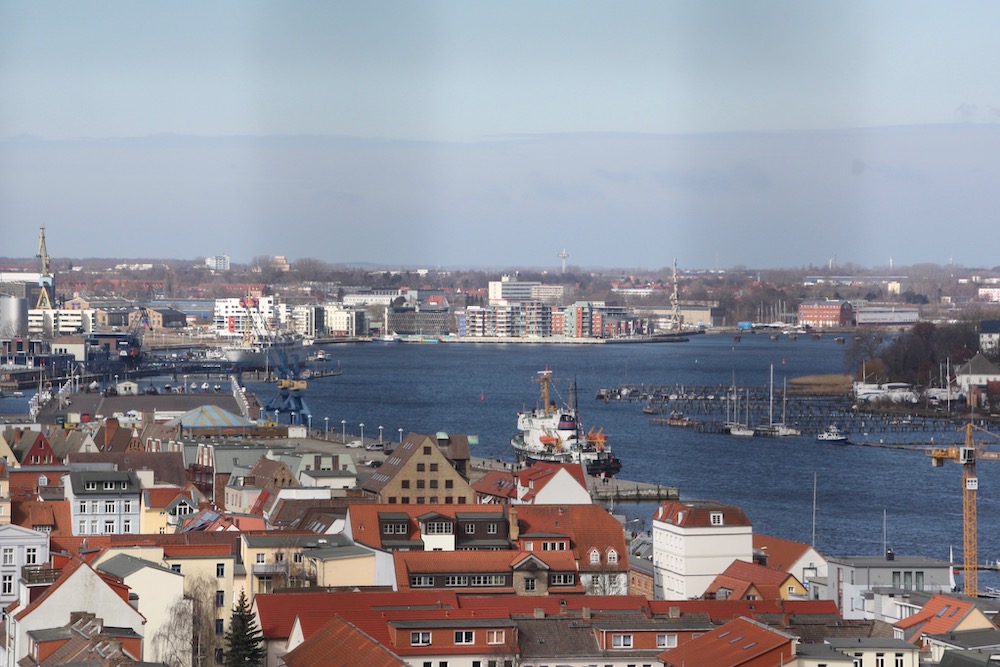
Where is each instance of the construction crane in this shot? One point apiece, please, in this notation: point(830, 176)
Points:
point(290, 385)
point(966, 455)
point(45, 278)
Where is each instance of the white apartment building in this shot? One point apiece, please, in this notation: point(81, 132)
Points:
point(218, 262)
point(60, 321)
point(104, 502)
point(231, 317)
point(19, 547)
point(693, 542)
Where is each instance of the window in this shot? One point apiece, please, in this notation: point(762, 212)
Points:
point(82, 507)
point(465, 637)
point(176, 567)
point(612, 556)
point(109, 507)
point(8, 555)
point(491, 529)
point(621, 641)
point(421, 581)
point(109, 527)
point(219, 629)
point(127, 506)
point(439, 528)
point(279, 557)
point(494, 637)
point(31, 556)
point(530, 585)
point(595, 557)
point(898, 661)
point(218, 656)
point(456, 580)
point(126, 525)
point(43, 480)
point(297, 557)
point(220, 598)
point(563, 579)
point(406, 484)
point(94, 506)
point(470, 529)
point(260, 558)
point(220, 569)
point(420, 638)
point(81, 528)
point(109, 486)
point(434, 484)
point(427, 451)
point(421, 467)
point(488, 580)
point(8, 584)
point(420, 483)
point(90, 486)
point(666, 641)
point(880, 660)
point(716, 518)
point(434, 467)
point(449, 484)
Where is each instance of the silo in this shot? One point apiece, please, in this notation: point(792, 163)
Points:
point(13, 316)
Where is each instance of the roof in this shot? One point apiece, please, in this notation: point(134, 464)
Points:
point(556, 637)
point(364, 519)
point(741, 576)
point(167, 467)
point(209, 416)
point(339, 643)
point(123, 565)
point(587, 526)
point(738, 642)
point(698, 513)
point(782, 554)
point(942, 613)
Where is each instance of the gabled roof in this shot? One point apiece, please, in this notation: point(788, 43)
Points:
point(167, 467)
point(587, 526)
point(738, 642)
point(341, 644)
point(498, 483)
point(941, 614)
point(741, 577)
point(978, 365)
point(782, 554)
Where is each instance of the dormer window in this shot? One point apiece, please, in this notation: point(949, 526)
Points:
point(612, 556)
point(91, 486)
point(109, 486)
point(716, 518)
point(43, 480)
point(595, 557)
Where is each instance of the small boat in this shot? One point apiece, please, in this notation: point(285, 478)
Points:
point(831, 434)
point(17, 394)
point(678, 418)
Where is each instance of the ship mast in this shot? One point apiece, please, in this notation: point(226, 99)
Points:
point(675, 302)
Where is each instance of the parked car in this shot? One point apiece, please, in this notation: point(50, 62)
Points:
point(375, 464)
point(354, 444)
point(375, 446)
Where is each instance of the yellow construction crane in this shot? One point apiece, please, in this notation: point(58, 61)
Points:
point(45, 279)
point(967, 455)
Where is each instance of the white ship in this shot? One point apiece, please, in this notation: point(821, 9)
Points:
point(555, 435)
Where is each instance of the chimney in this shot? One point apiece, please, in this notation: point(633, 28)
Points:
point(539, 612)
point(512, 519)
point(674, 612)
point(889, 555)
point(585, 613)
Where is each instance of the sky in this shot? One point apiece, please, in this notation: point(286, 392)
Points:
point(451, 133)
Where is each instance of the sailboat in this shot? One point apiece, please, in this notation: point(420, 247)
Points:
point(744, 429)
point(776, 429)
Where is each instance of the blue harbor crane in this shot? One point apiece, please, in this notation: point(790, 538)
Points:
point(291, 385)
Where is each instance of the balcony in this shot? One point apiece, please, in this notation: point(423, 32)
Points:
point(269, 568)
point(35, 574)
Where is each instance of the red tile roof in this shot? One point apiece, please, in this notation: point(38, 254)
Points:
point(939, 615)
point(698, 513)
point(365, 524)
point(341, 644)
point(738, 642)
point(781, 553)
point(588, 526)
point(725, 610)
point(741, 576)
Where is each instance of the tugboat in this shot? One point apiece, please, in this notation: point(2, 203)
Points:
point(555, 435)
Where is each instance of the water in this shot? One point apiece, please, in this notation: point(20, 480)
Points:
point(466, 388)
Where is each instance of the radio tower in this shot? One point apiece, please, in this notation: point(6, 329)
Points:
point(563, 255)
point(45, 279)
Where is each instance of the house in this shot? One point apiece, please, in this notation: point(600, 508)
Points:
point(19, 547)
point(798, 559)
point(103, 501)
point(695, 541)
point(976, 372)
point(85, 640)
point(47, 599)
point(749, 581)
point(851, 579)
point(489, 572)
point(158, 592)
point(989, 337)
point(278, 559)
point(941, 614)
point(540, 483)
point(964, 640)
point(417, 471)
point(32, 448)
point(246, 485)
point(165, 508)
point(740, 642)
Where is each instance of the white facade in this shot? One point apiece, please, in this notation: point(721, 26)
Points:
point(103, 502)
point(231, 318)
point(218, 262)
point(345, 321)
point(19, 547)
point(688, 553)
point(60, 322)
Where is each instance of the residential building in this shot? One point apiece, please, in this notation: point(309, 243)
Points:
point(103, 502)
point(749, 581)
point(19, 547)
point(798, 559)
point(540, 483)
point(739, 643)
point(695, 541)
point(941, 614)
point(877, 651)
point(850, 580)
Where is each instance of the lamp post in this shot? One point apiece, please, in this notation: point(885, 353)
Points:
point(185, 383)
point(292, 417)
point(380, 434)
point(362, 434)
point(400, 436)
point(309, 418)
point(343, 426)
point(326, 428)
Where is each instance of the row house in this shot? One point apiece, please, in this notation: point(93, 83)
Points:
point(419, 471)
point(489, 572)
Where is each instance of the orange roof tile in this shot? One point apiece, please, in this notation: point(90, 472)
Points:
point(939, 615)
point(738, 642)
point(341, 644)
point(781, 553)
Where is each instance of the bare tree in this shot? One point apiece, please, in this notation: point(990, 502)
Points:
point(191, 637)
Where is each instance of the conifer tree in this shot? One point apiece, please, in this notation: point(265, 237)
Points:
point(242, 642)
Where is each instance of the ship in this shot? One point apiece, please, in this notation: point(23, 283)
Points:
point(263, 354)
point(554, 434)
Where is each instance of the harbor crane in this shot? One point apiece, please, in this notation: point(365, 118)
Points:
point(290, 384)
point(966, 455)
point(45, 277)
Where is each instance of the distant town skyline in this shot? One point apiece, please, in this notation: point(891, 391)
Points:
point(444, 133)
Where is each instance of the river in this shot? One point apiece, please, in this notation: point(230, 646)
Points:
point(862, 493)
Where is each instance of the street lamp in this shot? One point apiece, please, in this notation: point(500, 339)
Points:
point(400, 436)
point(309, 418)
point(185, 383)
point(380, 434)
point(362, 433)
point(292, 417)
point(343, 425)
point(326, 428)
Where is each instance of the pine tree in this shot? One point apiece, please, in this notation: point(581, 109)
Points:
point(242, 642)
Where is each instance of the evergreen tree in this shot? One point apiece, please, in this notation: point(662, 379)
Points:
point(242, 642)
